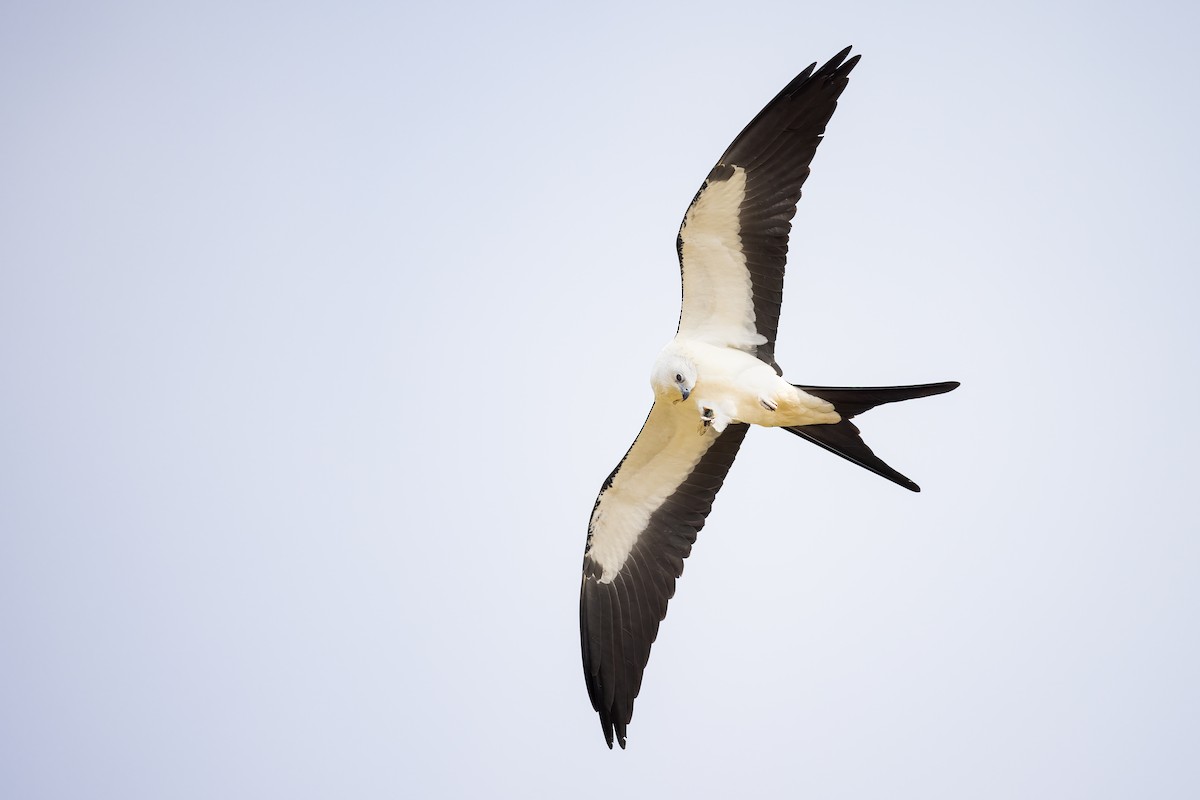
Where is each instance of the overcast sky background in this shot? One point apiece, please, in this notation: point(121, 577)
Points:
point(322, 324)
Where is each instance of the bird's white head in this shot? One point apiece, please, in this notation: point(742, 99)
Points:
point(674, 376)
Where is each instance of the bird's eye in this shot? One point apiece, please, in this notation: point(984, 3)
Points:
point(678, 378)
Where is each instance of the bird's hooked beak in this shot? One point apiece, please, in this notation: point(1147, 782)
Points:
point(684, 392)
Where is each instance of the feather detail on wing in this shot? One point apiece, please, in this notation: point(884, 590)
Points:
point(642, 528)
point(733, 242)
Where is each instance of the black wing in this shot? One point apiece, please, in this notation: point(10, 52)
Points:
point(733, 243)
point(642, 528)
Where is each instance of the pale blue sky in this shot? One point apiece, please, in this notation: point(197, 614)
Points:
point(321, 325)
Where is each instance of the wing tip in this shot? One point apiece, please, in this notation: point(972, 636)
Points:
point(613, 730)
point(839, 65)
point(840, 56)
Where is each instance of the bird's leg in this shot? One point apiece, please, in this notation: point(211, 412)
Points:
point(710, 418)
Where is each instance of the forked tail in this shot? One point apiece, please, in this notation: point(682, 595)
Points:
point(844, 438)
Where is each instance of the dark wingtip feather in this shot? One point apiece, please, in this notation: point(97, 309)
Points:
point(839, 57)
point(613, 729)
point(836, 67)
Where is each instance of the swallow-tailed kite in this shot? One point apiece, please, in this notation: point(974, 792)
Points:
point(715, 379)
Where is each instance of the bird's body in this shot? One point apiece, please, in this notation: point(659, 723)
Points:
point(737, 387)
point(715, 379)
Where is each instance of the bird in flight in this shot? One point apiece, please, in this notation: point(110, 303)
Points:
point(714, 380)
